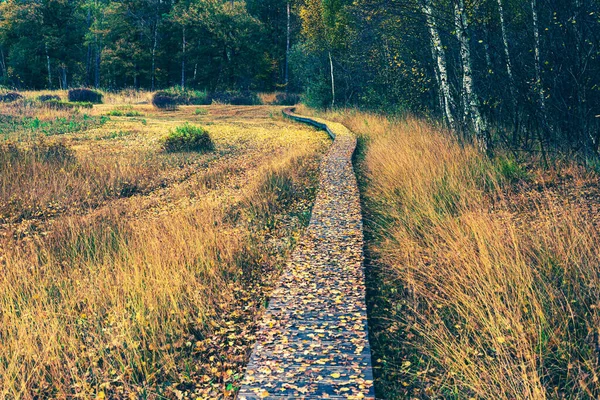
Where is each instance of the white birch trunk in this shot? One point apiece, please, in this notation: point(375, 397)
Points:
point(48, 66)
point(440, 55)
point(287, 49)
point(332, 81)
point(3, 63)
point(154, 43)
point(536, 52)
point(508, 61)
point(471, 100)
point(437, 78)
point(183, 59)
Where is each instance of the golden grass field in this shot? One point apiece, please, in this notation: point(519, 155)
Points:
point(484, 275)
point(128, 272)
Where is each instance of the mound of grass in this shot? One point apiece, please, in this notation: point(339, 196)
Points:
point(10, 97)
point(188, 97)
point(85, 95)
point(201, 111)
point(48, 97)
point(187, 138)
point(164, 101)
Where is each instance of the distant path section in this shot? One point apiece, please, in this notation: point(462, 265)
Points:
point(313, 341)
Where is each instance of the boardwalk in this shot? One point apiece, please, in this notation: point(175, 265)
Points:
point(313, 340)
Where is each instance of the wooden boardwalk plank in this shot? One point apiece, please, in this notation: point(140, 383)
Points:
point(313, 339)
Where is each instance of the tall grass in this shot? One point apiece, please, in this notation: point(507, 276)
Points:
point(116, 305)
point(478, 291)
point(41, 177)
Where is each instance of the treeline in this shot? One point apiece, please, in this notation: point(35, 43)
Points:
point(149, 44)
point(524, 72)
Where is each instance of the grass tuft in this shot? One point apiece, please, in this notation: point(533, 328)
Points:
point(187, 137)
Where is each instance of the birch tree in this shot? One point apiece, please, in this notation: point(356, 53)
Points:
point(471, 101)
point(440, 58)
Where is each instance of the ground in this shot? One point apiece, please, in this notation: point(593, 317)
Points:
point(128, 271)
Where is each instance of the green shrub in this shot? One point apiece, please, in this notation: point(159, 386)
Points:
point(188, 96)
point(201, 111)
point(85, 95)
point(187, 138)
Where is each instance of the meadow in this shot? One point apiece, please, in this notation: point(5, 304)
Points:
point(483, 273)
point(127, 271)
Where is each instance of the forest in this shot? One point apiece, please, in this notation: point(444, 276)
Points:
point(520, 73)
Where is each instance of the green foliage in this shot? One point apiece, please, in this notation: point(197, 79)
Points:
point(201, 111)
point(187, 138)
point(510, 169)
point(187, 96)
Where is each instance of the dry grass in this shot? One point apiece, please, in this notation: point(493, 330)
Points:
point(482, 285)
point(139, 273)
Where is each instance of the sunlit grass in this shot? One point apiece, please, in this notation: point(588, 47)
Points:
point(484, 284)
point(128, 271)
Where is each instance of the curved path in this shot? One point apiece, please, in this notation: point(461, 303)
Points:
point(313, 341)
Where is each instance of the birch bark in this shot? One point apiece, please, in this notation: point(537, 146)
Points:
point(287, 48)
point(183, 43)
point(536, 52)
point(440, 55)
point(471, 100)
point(332, 81)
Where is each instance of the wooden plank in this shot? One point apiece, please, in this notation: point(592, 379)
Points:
point(313, 339)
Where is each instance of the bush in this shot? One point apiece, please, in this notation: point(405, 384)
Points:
point(85, 95)
point(188, 138)
point(164, 101)
point(201, 111)
point(236, 98)
point(66, 105)
point(9, 97)
point(188, 96)
point(287, 99)
point(47, 97)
